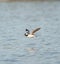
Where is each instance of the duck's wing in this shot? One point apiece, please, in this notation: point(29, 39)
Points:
point(35, 30)
point(27, 31)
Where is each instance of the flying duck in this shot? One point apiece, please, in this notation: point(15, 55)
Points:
point(31, 34)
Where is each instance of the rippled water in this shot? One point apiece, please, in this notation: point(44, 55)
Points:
point(15, 48)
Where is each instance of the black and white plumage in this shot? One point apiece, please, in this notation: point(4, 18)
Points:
point(32, 33)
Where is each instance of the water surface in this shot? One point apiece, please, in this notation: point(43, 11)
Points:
point(15, 48)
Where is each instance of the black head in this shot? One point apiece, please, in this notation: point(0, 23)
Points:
point(26, 34)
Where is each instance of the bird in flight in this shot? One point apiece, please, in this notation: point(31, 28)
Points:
point(32, 33)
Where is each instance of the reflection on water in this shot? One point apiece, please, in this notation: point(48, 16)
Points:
point(15, 47)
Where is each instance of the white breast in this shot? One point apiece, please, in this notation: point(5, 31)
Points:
point(30, 36)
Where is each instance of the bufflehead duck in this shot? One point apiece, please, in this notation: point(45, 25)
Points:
point(32, 34)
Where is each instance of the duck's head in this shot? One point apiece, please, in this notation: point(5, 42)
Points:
point(26, 34)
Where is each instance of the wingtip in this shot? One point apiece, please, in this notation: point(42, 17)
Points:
point(39, 28)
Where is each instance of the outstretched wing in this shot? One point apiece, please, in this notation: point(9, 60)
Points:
point(35, 30)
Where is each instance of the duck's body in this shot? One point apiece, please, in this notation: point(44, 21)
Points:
point(32, 34)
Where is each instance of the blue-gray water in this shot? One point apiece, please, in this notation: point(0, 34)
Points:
point(15, 48)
